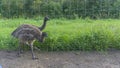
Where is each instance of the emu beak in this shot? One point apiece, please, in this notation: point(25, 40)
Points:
point(46, 35)
point(41, 41)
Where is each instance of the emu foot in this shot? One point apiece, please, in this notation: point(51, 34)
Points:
point(21, 52)
point(18, 55)
point(34, 58)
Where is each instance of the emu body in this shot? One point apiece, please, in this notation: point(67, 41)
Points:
point(31, 26)
point(27, 34)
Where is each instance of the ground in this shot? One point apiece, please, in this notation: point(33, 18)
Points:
point(73, 59)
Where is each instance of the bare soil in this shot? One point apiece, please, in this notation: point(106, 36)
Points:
point(73, 59)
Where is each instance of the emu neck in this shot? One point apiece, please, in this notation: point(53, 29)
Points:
point(43, 25)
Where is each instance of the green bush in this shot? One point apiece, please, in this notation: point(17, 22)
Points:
point(60, 8)
point(64, 35)
point(51, 8)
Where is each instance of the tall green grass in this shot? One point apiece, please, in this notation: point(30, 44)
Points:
point(67, 35)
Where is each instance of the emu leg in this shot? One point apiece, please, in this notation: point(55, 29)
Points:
point(19, 49)
point(33, 56)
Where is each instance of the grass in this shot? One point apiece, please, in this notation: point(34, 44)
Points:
point(67, 35)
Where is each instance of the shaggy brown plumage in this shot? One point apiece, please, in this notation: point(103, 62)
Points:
point(27, 34)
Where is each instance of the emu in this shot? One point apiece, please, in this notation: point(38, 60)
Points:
point(27, 34)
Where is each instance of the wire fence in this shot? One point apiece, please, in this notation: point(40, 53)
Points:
point(60, 8)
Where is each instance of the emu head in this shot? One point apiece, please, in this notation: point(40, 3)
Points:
point(42, 37)
point(46, 18)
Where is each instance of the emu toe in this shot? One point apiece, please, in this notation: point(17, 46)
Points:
point(18, 55)
point(34, 58)
point(21, 52)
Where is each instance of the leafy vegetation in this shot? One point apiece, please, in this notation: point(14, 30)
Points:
point(67, 35)
point(60, 8)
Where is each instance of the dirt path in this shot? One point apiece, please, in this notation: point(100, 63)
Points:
point(77, 59)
